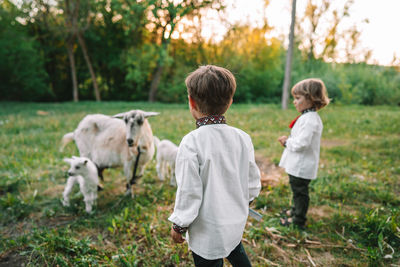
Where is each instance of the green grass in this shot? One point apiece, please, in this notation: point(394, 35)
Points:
point(354, 217)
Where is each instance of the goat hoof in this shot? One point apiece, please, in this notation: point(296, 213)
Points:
point(65, 203)
point(90, 212)
point(127, 192)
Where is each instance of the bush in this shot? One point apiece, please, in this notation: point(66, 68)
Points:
point(22, 72)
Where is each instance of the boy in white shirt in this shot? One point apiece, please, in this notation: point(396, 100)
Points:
point(301, 155)
point(216, 174)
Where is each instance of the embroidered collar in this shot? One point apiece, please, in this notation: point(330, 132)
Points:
point(308, 110)
point(212, 119)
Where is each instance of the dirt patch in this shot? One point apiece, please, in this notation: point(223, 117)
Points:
point(271, 175)
point(322, 258)
point(12, 258)
point(320, 212)
point(54, 191)
point(14, 230)
point(329, 143)
point(57, 221)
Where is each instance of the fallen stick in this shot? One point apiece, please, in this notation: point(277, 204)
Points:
point(310, 258)
point(246, 241)
point(313, 242)
point(284, 254)
point(268, 261)
point(349, 246)
point(270, 231)
point(340, 235)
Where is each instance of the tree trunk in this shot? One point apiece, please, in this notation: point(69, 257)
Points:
point(89, 65)
point(289, 55)
point(71, 57)
point(311, 52)
point(155, 82)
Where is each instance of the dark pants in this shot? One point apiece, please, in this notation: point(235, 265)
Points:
point(300, 199)
point(238, 258)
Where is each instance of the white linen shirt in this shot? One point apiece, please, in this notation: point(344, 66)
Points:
point(301, 155)
point(217, 177)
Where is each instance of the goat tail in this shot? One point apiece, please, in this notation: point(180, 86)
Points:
point(67, 138)
point(156, 141)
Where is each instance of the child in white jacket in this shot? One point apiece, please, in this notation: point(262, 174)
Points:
point(301, 155)
point(216, 174)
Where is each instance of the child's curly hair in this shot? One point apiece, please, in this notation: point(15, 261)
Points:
point(314, 90)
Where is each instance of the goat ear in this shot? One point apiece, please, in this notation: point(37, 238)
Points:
point(119, 115)
point(85, 162)
point(150, 114)
point(67, 160)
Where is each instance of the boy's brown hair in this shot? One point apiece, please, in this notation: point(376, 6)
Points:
point(313, 90)
point(212, 88)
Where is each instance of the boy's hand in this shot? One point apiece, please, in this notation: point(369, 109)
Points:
point(177, 237)
point(282, 140)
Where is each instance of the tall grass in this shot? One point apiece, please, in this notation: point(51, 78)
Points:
point(353, 218)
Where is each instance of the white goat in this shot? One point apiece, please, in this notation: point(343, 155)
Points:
point(112, 142)
point(84, 172)
point(166, 156)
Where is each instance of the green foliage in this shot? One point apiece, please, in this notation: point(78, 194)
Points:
point(372, 85)
point(14, 207)
point(56, 247)
point(378, 231)
point(354, 83)
point(256, 65)
point(139, 62)
point(121, 49)
point(22, 72)
point(126, 44)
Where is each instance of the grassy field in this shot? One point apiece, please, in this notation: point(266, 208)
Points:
point(354, 216)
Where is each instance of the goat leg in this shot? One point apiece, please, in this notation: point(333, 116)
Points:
point(133, 179)
point(68, 188)
point(100, 174)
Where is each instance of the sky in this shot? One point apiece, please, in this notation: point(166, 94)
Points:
point(381, 35)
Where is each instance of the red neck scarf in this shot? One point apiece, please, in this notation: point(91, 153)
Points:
point(303, 112)
point(293, 122)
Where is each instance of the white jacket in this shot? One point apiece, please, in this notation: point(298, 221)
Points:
point(301, 155)
point(217, 177)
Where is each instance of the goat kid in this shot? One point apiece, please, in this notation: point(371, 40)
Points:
point(166, 156)
point(84, 172)
point(126, 139)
